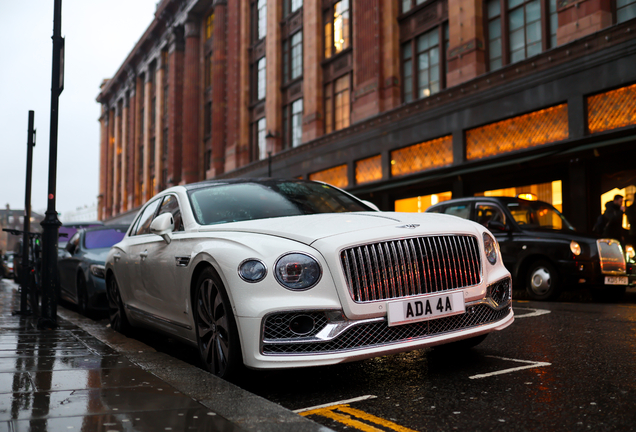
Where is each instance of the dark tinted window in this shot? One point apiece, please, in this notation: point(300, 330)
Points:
point(248, 201)
point(143, 224)
point(70, 230)
point(538, 215)
point(103, 238)
point(461, 210)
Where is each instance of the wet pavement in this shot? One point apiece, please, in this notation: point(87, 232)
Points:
point(85, 377)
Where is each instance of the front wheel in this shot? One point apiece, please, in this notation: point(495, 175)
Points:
point(217, 334)
point(542, 281)
point(117, 314)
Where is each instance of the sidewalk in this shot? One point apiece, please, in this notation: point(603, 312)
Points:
point(84, 377)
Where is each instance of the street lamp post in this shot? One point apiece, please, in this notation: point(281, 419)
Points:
point(51, 224)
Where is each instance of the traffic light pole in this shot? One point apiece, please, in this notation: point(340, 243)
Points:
point(51, 224)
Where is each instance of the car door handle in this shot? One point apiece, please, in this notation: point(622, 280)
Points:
point(143, 254)
point(117, 257)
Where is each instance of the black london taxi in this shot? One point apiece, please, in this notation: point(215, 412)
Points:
point(543, 251)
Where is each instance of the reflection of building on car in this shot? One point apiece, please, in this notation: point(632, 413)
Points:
point(290, 273)
point(81, 265)
point(542, 250)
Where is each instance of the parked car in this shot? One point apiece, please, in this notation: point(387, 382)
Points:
point(7, 265)
point(81, 266)
point(67, 230)
point(288, 273)
point(543, 251)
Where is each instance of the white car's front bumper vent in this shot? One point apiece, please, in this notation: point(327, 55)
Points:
point(411, 266)
point(370, 334)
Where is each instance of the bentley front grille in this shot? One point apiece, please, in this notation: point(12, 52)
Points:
point(412, 266)
point(377, 333)
point(611, 255)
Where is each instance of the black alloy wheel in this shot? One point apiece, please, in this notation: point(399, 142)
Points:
point(118, 320)
point(542, 281)
point(217, 334)
point(82, 296)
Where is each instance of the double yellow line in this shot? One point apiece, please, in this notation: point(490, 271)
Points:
point(355, 418)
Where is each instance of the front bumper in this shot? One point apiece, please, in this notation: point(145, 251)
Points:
point(335, 339)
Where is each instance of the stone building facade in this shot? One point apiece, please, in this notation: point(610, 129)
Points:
point(402, 102)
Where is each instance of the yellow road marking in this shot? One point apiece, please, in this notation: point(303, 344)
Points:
point(330, 413)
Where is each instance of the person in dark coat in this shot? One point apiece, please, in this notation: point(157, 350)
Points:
point(630, 212)
point(614, 217)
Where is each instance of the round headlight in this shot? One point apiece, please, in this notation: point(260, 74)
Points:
point(252, 270)
point(490, 248)
point(297, 271)
point(629, 251)
point(575, 248)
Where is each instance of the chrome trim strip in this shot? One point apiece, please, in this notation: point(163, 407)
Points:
point(157, 317)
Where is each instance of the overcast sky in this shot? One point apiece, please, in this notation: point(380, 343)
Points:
point(99, 36)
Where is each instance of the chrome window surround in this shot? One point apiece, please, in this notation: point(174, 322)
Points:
point(411, 266)
point(611, 257)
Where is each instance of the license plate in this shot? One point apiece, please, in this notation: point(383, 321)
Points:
point(616, 280)
point(425, 308)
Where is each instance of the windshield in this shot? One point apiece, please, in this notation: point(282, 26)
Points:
point(103, 238)
point(269, 199)
point(538, 215)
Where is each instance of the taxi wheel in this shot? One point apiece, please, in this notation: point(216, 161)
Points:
point(542, 281)
point(217, 334)
point(118, 320)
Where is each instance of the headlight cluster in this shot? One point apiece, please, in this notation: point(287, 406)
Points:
point(295, 271)
point(629, 251)
point(575, 248)
point(98, 271)
point(490, 248)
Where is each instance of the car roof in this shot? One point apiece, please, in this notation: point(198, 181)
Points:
point(500, 199)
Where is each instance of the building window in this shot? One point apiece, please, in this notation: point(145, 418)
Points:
point(337, 28)
point(293, 57)
point(261, 79)
point(291, 6)
point(261, 19)
point(409, 4)
point(625, 10)
point(297, 122)
point(209, 26)
point(515, 32)
point(261, 142)
point(207, 116)
point(422, 64)
point(207, 79)
point(338, 104)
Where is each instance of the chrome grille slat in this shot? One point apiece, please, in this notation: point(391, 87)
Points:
point(411, 266)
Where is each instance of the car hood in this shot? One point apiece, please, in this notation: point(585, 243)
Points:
point(308, 229)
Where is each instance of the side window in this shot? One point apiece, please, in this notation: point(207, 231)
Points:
point(73, 242)
point(485, 213)
point(146, 218)
point(170, 204)
point(459, 210)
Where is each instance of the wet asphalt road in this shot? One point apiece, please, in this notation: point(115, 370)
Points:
point(566, 365)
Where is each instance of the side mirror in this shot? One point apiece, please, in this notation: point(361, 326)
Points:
point(163, 225)
point(70, 248)
point(496, 226)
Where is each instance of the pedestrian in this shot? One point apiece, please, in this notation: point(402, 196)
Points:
point(614, 219)
point(630, 212)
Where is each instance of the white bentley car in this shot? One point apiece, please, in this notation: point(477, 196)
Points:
point(287, 273)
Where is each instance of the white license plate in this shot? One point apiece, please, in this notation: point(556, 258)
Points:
point(425, 308)
point(616, 280)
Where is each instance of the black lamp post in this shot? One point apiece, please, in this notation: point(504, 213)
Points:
point(51, 224)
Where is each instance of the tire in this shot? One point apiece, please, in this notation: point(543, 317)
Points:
point(542, 281)
point(117, 314)
point(462, 345)
point(217, 334)
point(82, 296)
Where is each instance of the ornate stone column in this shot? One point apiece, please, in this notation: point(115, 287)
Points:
point(191, 90)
